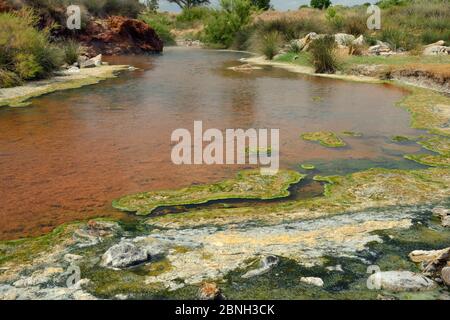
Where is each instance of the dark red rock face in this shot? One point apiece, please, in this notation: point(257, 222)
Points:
point(119, 36)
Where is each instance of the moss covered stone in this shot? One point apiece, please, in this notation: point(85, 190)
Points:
point(247, 185)
point(325, 138)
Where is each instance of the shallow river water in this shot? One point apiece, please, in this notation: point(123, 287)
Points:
point(69, 154)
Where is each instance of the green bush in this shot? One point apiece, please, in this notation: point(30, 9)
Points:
point(355, 24)
point(335, 19)
point(399, 39)
point(161, 24)
point(269, 44)
point(102, 8)
point(24, 50)
point(291, 29)
point(193, 14)
point(323, 54)
point(71, 50)
point(223, 25)
point(9, 79)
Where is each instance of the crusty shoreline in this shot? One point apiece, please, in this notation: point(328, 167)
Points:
point(19, 96)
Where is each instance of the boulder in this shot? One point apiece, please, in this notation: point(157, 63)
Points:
point(124, 254)
point(444, 214)
point(266, 264)
point(118, 35)
point(398, 281)
point(318, 282)
point(436, 51)
point(310, 37)
point(344, 39)
point(418, 256)
point(445, 275)
point(381, 48)
point(92, 63)
point(210, 291)
point(360, 41)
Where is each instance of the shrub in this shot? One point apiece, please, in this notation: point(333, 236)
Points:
point(24, 50)
point(269, 44)
point(399, 39)
point(9, 79)
point(335, 19)
point(323, 54)
point(291, 28)
point(193, 14)
point(127, 8)
point(161, 24)
point(71, 50)
point(355, 24)
point(225, 23)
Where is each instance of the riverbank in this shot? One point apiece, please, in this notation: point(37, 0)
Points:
point(19, 96)
point(432, 76)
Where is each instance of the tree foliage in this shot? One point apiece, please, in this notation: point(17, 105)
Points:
point(187, 4)
point(320, 4)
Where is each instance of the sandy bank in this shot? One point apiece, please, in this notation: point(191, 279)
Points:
point(308, 70)
point(18, 96)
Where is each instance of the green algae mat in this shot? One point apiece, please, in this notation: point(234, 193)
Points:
point(325, 138)
point(248, 184)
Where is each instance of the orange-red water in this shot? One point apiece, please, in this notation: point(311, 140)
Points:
point(69, 154)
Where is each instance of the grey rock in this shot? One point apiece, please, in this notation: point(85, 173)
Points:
point(318, 282)
point(91, 63)
point(343, 39)
point(398, 281)
point(124, 254)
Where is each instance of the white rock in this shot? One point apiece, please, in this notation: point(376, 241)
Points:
point(312, 281)
point(344, 39)
point(73, 70)
point(124, 254)
point(436, 50)
point(401, 281)
point(360, 41)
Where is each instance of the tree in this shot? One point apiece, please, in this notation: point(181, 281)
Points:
point(152, 5)
point(320, 4)
point(187, 4)
point(261, 4)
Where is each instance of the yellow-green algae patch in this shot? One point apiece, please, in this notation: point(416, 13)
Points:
point(430, 160)
point(19, 96)
point(248, 184)
point(373, 188)
point(430, 110)
point(325, 138)
point(352, 134)
point(437, 144)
